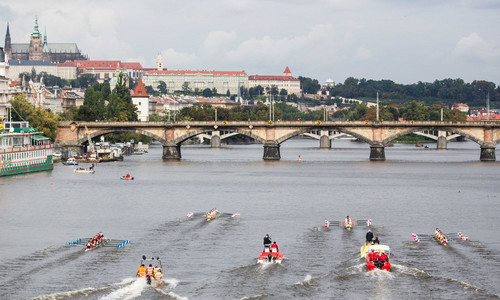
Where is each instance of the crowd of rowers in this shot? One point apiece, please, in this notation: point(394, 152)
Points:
point(96, 240)
point(155, 272)
point(440, 236)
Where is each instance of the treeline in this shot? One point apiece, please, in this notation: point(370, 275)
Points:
point(446, 91)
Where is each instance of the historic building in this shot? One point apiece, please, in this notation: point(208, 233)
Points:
point(105, 70)
point(4, 85)
point(140, 98)
point(286, 82)
point(39, 49)
point(175, 79)
point(18, 66)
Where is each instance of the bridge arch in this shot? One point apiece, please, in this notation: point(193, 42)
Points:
point(339, 129)
point(104, 131)
point(447, 129)
point(196, 132)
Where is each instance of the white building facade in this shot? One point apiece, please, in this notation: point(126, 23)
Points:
point(286, 82)
point(4, 85)
point(26, 66)
point(220, 80)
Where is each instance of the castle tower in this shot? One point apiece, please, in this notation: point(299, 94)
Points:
point(8, 46)
point(36, 46)
point(287, 72)
point(159, 63)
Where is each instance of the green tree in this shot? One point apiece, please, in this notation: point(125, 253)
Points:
point(120, 106)
point(309, 86)
point(185, 88)
point(415, 111)
point(162, 87)
point(43, 120)
point(207, 93)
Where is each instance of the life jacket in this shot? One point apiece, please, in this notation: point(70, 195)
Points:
point(157, 274)
point(141, 272)
point(149, 271)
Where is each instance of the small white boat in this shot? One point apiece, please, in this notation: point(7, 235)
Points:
point(82, 170)
point(70, 162)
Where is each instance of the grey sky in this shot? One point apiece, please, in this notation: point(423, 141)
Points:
point(405, 41)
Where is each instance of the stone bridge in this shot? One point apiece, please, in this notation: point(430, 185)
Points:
point(71, 135)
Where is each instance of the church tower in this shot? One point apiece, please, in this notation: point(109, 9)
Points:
point(36, 46)
point(159, 63)
point(8, 46)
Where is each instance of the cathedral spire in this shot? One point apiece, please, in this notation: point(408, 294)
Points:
point(7, 41)
point(45, 36)
point(36, 33)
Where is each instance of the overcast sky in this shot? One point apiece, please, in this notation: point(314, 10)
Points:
point(402, 40)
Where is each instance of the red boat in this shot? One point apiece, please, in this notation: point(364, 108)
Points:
point(270, 255)
point(378, 256)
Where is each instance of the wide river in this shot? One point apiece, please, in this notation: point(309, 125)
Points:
point(414, 191)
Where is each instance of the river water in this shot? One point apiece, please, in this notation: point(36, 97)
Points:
point(414, 191)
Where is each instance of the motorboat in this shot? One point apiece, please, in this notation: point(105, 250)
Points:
point(70, 162)
point(124, 177)
point(378, 256)
point(154, 280)
point(270, 255)
point(82, 170)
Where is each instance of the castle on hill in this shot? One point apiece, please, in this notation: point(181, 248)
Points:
point(38, 49)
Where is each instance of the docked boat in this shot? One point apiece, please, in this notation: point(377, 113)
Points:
point(154, 275)
point(378, 256)
point(90, 170)
point(270, 255)
point(24, 150)
point(70, 162)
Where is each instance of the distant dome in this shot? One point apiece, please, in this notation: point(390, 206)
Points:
point(329, 80)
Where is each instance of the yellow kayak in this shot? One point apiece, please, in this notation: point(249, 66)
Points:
point(364, 249)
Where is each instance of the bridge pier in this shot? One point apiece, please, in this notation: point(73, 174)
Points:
point(172, 152)
point(377, 153)
point(271, 151)
point(215, 140)
point(488, 153)
point(324, 140)
point(442, 142)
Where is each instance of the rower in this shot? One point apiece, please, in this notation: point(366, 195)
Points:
point(369, 236)
point(157, 274)
point(141, 272)
point(127, 176)
point(89, 245)
point(347, 221)
point(274, 246)
point(267, 241)
point(149, 270)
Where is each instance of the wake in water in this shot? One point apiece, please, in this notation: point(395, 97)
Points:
point(306, 282)
point(130, 291)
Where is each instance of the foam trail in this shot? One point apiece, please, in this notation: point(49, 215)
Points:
point(380, 274)
point(128, 292)
point(172, 282)
point(82, 292)
point(306, 281)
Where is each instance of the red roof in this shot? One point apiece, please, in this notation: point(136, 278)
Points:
point(140, 90)
point(102, 64)
point(14, 83)
point(270, 77)
point(287, 71)
point(182, 72)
